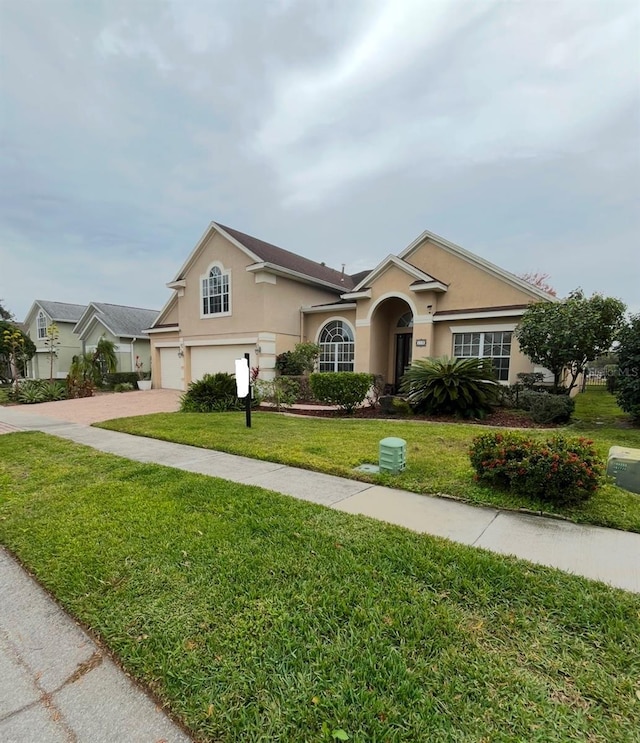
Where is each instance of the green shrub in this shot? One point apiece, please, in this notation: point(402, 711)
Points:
point(557, 470)
point(547, 408)
point(530, 379)
point(299, 361)
point(214, 393)
point(305, 393)
point(281, 391)
point(628, 376)
point(345, 389)
point(392, 405)
point(33, 391)
point(123, 387)
point(110, 380)
point(465, 387)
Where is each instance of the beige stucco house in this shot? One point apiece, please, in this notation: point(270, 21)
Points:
point(236, 294)
point(42, 315)
point(126, 327)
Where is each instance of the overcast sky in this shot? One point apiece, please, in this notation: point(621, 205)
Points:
point(337, 129)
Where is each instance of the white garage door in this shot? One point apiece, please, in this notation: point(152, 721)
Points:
point(212, 359)
point(170, 369)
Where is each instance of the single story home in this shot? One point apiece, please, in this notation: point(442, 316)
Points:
point(236, 294)
point(126, 327)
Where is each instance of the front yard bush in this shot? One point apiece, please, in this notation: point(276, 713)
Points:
point(547, 408)
point(34, 391)
point(214, 393)
point(558, 470)
point(628, 377)
point(281, 391)
point(111, 380)
point(345, 389)
point(464, 387)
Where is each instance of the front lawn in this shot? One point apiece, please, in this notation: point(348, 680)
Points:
point(257, 617)
point(437, 453)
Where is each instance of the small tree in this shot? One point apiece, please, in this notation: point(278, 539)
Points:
point(628, 372)
point(52, 341)
point(566, 335)
point(301, 360)
point(539, 280)
point(16, 349)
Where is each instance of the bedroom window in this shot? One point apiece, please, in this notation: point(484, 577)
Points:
point(42, 325)
point(215, 293)
point(493, 345)
point(336, 347)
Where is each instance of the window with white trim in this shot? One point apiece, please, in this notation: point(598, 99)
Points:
point(216, 293)
point(337, 347)
point(42, 325)
point(494, 345)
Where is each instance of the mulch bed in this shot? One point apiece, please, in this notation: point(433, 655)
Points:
point(500, 418)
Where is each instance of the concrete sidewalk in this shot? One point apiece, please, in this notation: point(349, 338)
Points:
point(56, 684)
point(607, 555)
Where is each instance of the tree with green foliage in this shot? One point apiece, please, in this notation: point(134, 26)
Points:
point(628, 371)
point(16, 349)
point(301, 360)
point(88, 369)
point(564, 336)
point(4, 313)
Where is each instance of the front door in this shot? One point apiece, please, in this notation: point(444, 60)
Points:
point(404, 341)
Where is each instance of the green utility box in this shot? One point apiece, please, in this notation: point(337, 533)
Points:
point(393, 455)
point(624, 465)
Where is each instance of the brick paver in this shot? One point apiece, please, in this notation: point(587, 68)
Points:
point(107, 405)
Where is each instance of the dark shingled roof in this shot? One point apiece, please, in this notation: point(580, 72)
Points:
point(62, 311)
point(291, 261)
point(125, 321)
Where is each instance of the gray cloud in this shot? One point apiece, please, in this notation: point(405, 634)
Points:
point(339, 130)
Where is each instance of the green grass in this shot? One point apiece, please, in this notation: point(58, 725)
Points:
point(257, 617)
point(437, 453)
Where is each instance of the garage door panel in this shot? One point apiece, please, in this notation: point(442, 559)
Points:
point(212, 359)
point(170, 369)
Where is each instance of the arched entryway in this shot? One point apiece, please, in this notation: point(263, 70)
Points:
point(391, 340)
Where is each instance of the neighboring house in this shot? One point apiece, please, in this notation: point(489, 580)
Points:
point(40, 317)
point(126, 327)
point(236, 294)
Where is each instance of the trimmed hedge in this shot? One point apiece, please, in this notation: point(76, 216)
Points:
point(547, 408)
point(345, 389)
point(111, 380)
point(558, 470)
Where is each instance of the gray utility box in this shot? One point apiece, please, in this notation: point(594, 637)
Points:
point(624, 465)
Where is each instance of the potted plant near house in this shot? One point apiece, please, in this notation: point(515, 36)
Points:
point(144, 378)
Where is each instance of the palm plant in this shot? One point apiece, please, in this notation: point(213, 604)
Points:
point(465, 387)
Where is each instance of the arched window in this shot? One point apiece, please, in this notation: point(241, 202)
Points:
point(406, 321)
point(42, 324)
point(336, 347)
point(215, 293)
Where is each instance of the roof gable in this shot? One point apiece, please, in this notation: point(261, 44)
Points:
point(57, 311)
point(393, 260)
point(270, 257)
point(120, 320)
point(478, 262)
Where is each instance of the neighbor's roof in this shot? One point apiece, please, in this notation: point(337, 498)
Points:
point(121, 320)
point(292, 261)
point(62, 311)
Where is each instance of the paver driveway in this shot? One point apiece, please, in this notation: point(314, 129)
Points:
point(107, 405)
